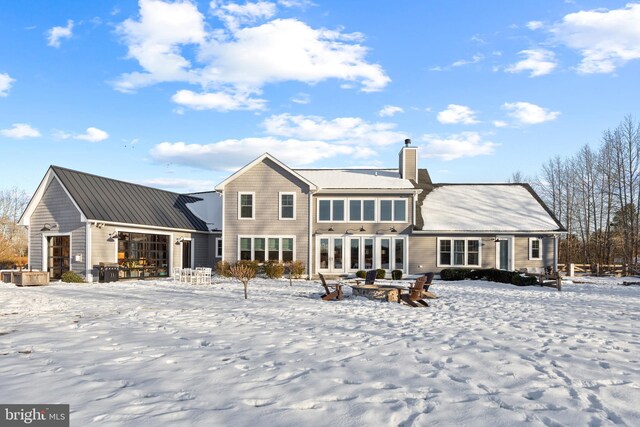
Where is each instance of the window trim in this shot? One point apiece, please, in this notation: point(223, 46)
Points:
point(286, 193)
point(393, 210)
point(466, 252)
point(252, 237)
point(253, 205)
point(361, 200)
point(331, 200)
point(218, 251)
point(531, 240)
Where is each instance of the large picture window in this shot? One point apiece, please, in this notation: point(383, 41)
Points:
point(143, 255)
point(331, 210)
point(462, 252)
point(393, 210)
point(362, 210)
point(267, 248)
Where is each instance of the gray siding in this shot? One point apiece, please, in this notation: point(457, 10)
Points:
point(56, 207)
point(423, 253)
point(266, 179)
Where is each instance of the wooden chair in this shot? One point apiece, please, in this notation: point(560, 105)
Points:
point(426, 293)
point(414, 297)
point(331, 295)
point(370, 278)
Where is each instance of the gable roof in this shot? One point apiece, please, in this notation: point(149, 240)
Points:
point(356, 178)
point(486, 208)
point(239, 172)
point(110, 200)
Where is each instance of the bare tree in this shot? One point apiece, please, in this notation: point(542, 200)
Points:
point(13, 202)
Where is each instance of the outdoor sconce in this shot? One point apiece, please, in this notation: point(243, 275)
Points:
point(390, 229)
point(351, 230)
point(113, 236)
point(179, 240)
point(330, 228)
point(48, 227)
point(100, 225)
point(362, 229)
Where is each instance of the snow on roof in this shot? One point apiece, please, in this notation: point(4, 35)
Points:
point(486, 207)
point(356, 178)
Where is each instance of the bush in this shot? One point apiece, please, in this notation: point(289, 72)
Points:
point(520, 280)
point(380, 274)
point(297, 269)
point(222, 269)
point(252, 265)
point(274, 269)
point(71, 277)
point(361, 274)
point(396, 274)
point(454, 273)
point(477, 274)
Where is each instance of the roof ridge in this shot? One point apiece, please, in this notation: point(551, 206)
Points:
point(119, 180)
point(347, 169)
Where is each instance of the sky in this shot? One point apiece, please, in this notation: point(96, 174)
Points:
point(177, 95)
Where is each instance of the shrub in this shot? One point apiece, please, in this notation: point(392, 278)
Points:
point(252, 265)
point(477, 274)
point(454, 273)
point(71, 277)
point(520, 280)
point(243, 272)
point(222, 269)
point(380, 273)
point(396, 274)
point(274, 269)
point(297, 269)
point(361, 274)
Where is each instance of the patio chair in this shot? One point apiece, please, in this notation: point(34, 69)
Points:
point(177, 274)
point(426, 293)
point(331, 295)
point(415, 295)
point(370, 278)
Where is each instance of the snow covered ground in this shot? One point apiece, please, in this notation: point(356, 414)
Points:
point(156, 352)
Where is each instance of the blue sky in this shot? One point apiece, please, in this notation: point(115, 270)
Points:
point(178, 94)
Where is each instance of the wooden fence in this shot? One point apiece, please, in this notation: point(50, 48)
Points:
point(596, 269)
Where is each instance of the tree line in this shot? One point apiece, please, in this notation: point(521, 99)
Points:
point(595, 194)
point(13, 237)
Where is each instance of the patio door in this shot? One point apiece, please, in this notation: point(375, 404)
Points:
point(330, 254)
point(504, 253)
point(186, 254)
point(58, 256)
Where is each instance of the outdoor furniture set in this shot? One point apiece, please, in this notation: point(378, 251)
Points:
point(194, 276)
point(413, 295)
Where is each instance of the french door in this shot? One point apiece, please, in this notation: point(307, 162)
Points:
point(331, 254)
point(58, 256)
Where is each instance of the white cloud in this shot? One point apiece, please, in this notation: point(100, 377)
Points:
point(455, 114)
point(390, 110)
point(20, 131)
point(92, 134)
point(5, 84)
point(219, 101)
point(538, 61)
point(500, 123)
point(242, 57)
point(474, 60)
point(529, 114)
point(534, 25)
point(342, 130)
point(301, 98)
point(180, 185)
point(55, 34)
point(606, 39)
point(234, 153)
point(451, 147)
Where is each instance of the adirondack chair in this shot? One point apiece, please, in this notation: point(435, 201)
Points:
point(331, 295)
point(426, 293)
point(370, 278)
point(414, 297)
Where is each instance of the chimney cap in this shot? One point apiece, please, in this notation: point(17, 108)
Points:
point(407, 142)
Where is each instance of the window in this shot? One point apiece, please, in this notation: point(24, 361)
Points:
point(362, 210)
point(393, 210)
point(143, 253)
point(267, 248)
point(535, 251)
point(459, 252)
point(245, 206)
point(287, 206)
point(399, 254)
point(331, 210)
point(218, 247)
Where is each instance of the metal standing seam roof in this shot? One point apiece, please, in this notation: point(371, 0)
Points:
point(110, 200)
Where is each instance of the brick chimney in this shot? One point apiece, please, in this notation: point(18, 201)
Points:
point(408, 159)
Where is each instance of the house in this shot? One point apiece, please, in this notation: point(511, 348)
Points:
point(76, 220)
point(335, 221)
point(339, 221)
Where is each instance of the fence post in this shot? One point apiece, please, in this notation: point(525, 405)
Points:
point(572, 270)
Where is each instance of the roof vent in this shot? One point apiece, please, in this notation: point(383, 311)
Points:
point(407, 142)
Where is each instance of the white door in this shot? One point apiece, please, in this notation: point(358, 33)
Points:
point(330, 254)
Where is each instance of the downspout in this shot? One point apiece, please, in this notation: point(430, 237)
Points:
point(87, 255)
point(555, 252)
point(310, 243)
